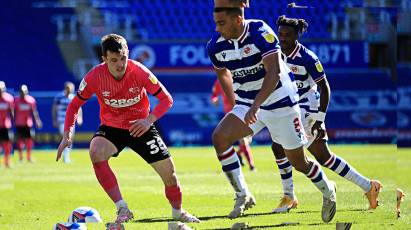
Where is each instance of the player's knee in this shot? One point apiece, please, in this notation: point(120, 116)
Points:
point(96, 153)
point(218, 137)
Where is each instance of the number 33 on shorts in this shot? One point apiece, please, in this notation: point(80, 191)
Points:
point(156, 145)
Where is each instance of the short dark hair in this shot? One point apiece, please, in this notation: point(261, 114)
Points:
point(300, 25)
point(113, 43)
point(233, 11)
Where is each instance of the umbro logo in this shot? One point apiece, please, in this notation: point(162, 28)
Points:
point(223, 55)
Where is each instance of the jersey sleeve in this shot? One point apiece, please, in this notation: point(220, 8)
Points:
point(212, 55)
point(314, 67)
point(86, 88)
point(266, 40)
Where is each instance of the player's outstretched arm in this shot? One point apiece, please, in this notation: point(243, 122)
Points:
point(71, 116)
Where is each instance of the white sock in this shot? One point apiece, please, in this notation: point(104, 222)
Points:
point(342, 168)
point(319, 179)
point(121, 204)
point(286, 174)
point(231, 167)
point(66, 155)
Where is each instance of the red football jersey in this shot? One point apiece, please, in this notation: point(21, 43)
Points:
point(218, 90)
point(23, 110)
point(6, 105)
point(121, 101)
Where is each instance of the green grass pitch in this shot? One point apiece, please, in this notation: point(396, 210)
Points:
point(36, 196)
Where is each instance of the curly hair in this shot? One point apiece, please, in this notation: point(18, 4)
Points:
point(300, 25)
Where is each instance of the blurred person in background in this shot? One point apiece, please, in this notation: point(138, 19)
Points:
point(60, 104)
point(244, 143)
point(309, 74)
point(25, 110)
point(121, 86)
point(6, 117)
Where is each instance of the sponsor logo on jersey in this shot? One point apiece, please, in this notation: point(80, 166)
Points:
point(319, 67)
point(121, 103)
point(83, 85)
point(153, 79)
point(247, 71)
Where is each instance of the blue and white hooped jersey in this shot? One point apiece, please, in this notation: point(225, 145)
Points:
point(62, 103)
point(307, 70)
point(243, 57)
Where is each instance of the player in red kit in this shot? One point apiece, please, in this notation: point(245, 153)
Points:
point(6, 116)
point(244, 143)
point(121, 86)
point(25, 110)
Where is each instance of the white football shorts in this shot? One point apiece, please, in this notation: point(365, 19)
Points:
point(285, 130)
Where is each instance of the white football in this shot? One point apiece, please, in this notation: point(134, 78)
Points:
point(84, 215)
point(70, 226)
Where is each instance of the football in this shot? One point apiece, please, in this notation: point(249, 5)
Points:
point(70, 226)
point(84, 215)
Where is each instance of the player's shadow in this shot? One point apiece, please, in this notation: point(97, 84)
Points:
point(261, 226)
point(205, 218)
point(153, 220)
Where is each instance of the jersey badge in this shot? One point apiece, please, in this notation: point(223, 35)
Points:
point(106, 93)
point(270, 38)
point(153, 79)
point(319, 67)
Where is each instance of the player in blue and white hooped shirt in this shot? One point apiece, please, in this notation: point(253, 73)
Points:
point(246, 58)
point(60, 104)
point(309, 74)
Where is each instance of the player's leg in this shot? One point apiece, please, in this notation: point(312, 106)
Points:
point(29, 135)
point(20, 142)
point(105, 143)
point(151, 147)
point(244, 148)
point(319, 148)
point(289, 200)
point(5, 141)
point(230, 129)
point(288, 131)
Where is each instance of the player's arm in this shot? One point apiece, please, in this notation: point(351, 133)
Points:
point(54, 114)
point(226, 82)
point(272, 76)
point(316, 71)
point(84, 92)
point(215, 91)
point(36, 116)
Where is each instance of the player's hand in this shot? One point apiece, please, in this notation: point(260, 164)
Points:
point(214, 102)
point(317, 129)
point(251, 115)
point(65, 143)
point(139, 127)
